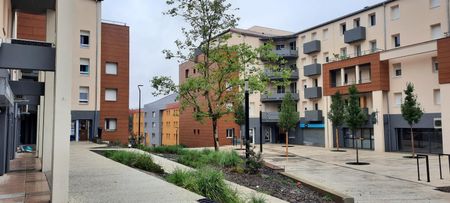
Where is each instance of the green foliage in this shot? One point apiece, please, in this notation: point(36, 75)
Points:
point(254, 198)
point(239, 114)
point(337, 110)
point(172, 149)
point(354, 116)
point(198, 159)
point(411, 110)
point(288, 113)
point(206, 182)
point(135, 160)
point(254, 162)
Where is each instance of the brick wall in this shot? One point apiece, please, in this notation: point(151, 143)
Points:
point(115, 48)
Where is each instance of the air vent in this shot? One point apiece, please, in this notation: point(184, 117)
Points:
point(437, 123)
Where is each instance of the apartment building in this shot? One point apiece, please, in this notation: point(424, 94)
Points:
point(134, 119)
point(170, 119)
point(153, 119)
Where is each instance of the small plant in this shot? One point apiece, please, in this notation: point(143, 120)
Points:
point(173, 149)
point(198, 159)
point(254, 162)
point(135, 160)
point(257, 199)
point(327, 197)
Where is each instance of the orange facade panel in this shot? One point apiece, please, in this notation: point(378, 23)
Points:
point(31, 26)
point(379, 74)
point(443, 57)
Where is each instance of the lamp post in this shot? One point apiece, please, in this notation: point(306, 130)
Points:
point(139, 115)
point(247, 121)
point(260, 130)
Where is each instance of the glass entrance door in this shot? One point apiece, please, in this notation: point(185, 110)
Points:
point(351, 140)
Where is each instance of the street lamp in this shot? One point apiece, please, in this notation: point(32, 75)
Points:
point(260, 129)
point(247, 121)
point(139, 115)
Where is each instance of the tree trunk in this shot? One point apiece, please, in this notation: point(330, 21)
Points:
point(357, 152)
point(215, 135)
point(287, 142)
point(412, 143)
point(337, 139)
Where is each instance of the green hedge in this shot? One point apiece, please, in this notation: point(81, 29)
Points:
point(135, 160)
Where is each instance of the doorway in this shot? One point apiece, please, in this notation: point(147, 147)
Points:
point(84, 129)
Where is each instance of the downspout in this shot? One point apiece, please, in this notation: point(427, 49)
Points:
point(448, 18)
point(96, 123)
point(387, 96)
point(384, 26)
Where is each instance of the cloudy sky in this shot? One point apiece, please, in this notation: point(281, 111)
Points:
point(151, 32)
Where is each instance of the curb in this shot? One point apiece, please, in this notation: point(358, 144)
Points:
point(337, 196)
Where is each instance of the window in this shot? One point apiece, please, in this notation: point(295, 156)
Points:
point(395, 12)
point(84, 38)
point(434, 3)
point(343, 28)
point(293, 45)
point(194, 70)
point(344, 52)
point(358, 50)
point(325, 34)
point(372, 19)
point(111, 95)
point(279, 47)
point(84, 66)
point(437, 96)
point(397, 70)
point(84, 95)
point(396, 40)
point(153, 124)
point(313, 36)
point(398, 99)
point(303, 38)
point(186, 73)
point(111, 68)
point(356, 22)
point(326, 58)
point(373, 46)
point(153, 114)
point(435, 64)
point(111, 124)
point(305, 85)
point(230, 132)
point(314, 59)
point(436, 31)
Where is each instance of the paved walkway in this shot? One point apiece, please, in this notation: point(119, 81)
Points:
point(24, 182)
point(94, 178)
point(388, 178)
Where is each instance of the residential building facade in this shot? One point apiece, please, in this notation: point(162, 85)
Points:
point(153, 124)
point(134, 114)
point(170, 119)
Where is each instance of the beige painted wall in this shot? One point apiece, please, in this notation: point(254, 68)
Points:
point(85, 11)
point(6, 16)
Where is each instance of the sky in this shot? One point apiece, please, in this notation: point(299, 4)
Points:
point(151, 31)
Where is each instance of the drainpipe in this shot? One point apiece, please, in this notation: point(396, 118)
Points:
point(96, 67)
point(448, 17)
point(384, 26)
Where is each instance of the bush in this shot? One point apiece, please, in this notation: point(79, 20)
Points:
point(206, 182)
point(254, 162)
point(135, 160)
point(173, 149)
point(257, 199)
point(198, 159)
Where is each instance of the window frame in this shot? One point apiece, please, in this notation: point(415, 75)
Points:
point(107, 123)
point(395, 68)
point(230, 133)
point(343, 28)
point(397, 104)
point(87, 66)
point(85, 33)
point(116, 66)
point(435, 6)
point(396, 38)
point(437, 101)
point(440, 34)
point(372, 19)
point(80, 100)
point(435, 65)
point(397, 16)
point(111, 89)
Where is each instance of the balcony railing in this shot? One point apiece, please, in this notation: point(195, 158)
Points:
point(311, 47)
point(276, 96)
point(355, 35)
point(278, 75)
point(341, 57)
point(27, 55)
point(351, 82)
point(270, 117)
point(313, 92)
point(312, 69)
point(314, 115)
point(287, 53)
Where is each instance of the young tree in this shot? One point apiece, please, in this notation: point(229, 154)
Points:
point(337, 114)
point(288, 116)
point(411, 111)
point(239, 117)
point(354, 116)
point(221, 68)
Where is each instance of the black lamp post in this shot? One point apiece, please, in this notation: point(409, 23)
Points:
point(139, 115)
point(247, 121)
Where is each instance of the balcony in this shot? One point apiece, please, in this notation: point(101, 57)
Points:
point(287, 53)
point(312, 69)
point(27, 55)
point(270, 117)
point(311, 47)
point(6, 94)
point(278, 75)
point(313, 92)
point(313, 115)
point(276, 97)
point(355, 35)
point(32, 6)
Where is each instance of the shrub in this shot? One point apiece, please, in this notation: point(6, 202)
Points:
point(257, 199)
point(205, 157)
point(136, 160)
point(206, 182)
point(254, 162)
point(173, 149)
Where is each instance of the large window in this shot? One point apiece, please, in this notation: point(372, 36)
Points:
point(84, 66)
point(436, 31)
point(111, 95)
point(84, 38)
point(395, 12)
point(84, 95)
point(230, 132)
point(111, 68)
point(110, 124)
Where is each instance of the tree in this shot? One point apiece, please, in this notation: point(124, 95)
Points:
point(239, 117)
point(337, 114)
point(354, 116)
point(288, 116)
point(221, 68)
point(411, 111)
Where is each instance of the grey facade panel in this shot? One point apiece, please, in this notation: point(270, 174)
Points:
point(278, 75)
point(393, 121)
point(313, 92)
point(27, 87)
point(312, 69)
point(354, 35)
point(270, 117)
point(32, 6)
point(311, 47)
point(314, 137)
point(272, 97)
point(6, 94)
point(153, 117)
point(313, 115)
point(288, 53)
point(27, 57)
point(94, 116)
